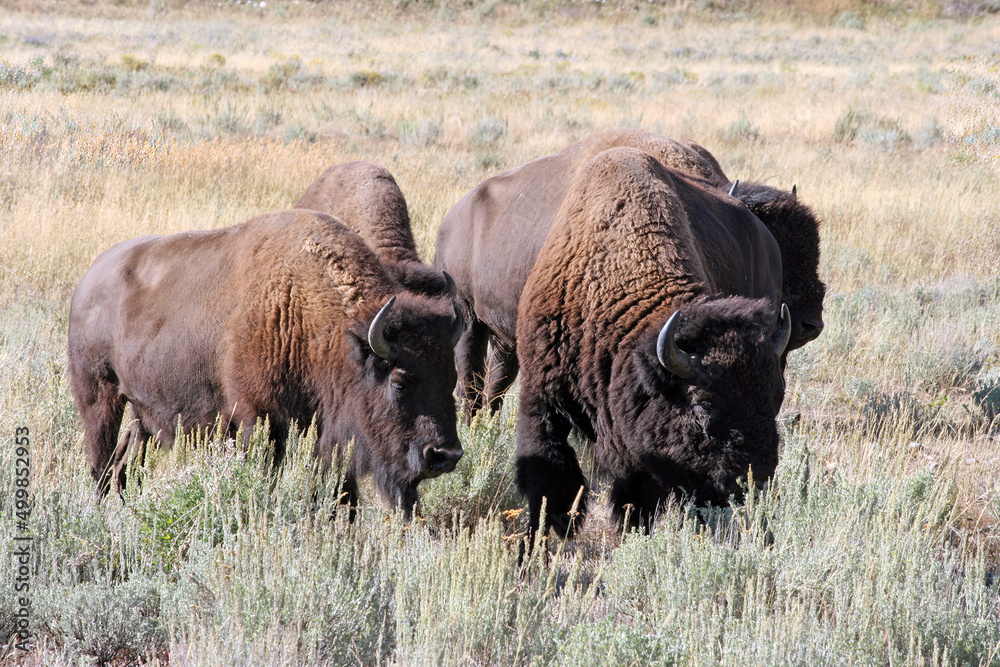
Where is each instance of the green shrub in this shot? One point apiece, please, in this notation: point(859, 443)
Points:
point(366, 79)
point(861, 125)
point(741, 129)
point(488, 132)
point(108, 623)
point(425, 132)
point(986, 394)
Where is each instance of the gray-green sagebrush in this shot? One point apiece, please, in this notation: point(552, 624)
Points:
point(214, 561)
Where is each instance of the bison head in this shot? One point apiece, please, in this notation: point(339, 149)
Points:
point(796, 229)
point(401, 408)
point(700, 395)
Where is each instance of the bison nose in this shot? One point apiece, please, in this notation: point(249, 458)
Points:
point(811, 329)
point(442, 458)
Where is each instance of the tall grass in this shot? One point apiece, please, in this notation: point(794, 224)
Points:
point(877, 540)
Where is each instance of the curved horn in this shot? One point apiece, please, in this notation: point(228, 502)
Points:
point(783, 332)
point(450, 284)
point(459, 326)
point(732, 190)
point(671, 357)
point(376, 335)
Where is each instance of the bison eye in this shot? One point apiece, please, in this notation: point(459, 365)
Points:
point(398, 382)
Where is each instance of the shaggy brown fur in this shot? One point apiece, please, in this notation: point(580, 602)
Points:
point(490, 239)
point(366, 197)
point(621, 257)
point(267, 318)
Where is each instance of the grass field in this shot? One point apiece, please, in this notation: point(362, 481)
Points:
point(878, 540)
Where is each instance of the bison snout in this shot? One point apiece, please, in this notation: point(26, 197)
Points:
point(811, 329)
point(441, 458)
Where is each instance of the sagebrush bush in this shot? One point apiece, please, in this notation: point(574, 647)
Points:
point(860, 124)
point(986, 395)
point(110, 624)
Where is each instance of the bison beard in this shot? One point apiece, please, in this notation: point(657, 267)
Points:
point(619, 337)
point(288, 316)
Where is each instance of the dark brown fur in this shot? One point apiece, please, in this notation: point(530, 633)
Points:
point(365, 196)
point(490, 239)
point(267, 318)
point(794, 227)
point(621, 257)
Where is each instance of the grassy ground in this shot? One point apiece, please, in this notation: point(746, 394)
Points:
point(876, 543)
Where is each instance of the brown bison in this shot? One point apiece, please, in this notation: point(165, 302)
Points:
point(490, 239)
point(288, 316)
point(624, 334)
point(365, 196)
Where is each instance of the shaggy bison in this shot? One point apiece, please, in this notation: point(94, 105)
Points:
point(365, 196)
point(490, 239)
point(624, 334)
point(289, 316)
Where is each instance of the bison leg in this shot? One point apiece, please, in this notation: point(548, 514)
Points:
point(135, 438)
point(636, 500)
point(101, 407)
point(349, 495)
point(502, 369)
point(470, 361)
point(547, 468)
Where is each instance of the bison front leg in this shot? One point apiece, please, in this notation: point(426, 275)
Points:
point(636, 500)
point(101, 407)
point(547, 468)
point(135, 438)
point(470, 362)
point(502, 369)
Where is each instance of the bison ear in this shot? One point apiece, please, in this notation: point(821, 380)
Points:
point(359, 346)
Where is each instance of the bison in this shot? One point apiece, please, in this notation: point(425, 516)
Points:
point(490, 239)
point(288, 316)
point(365, 196)
point(625, 334)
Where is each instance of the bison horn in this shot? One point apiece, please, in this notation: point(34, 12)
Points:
point(450, 285)
point(671, 357)
point(376, 333)
point(794, 194)
point(459, 326)
point(783, 332)
point(732, 190)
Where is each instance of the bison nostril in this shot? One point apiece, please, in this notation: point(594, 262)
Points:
point(442, 458)
point(811, 329)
